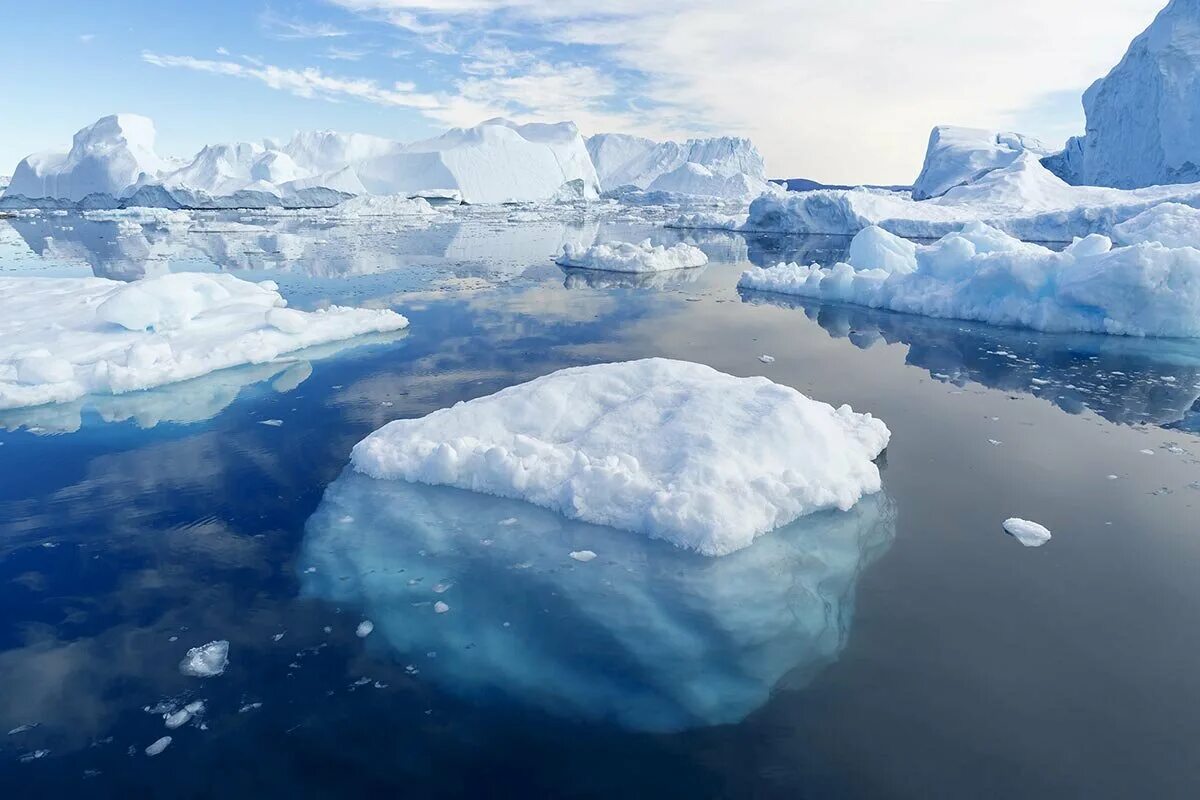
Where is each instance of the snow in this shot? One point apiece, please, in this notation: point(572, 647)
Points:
point(670, 449)
point(63, 338)
point(628, 257)
point(1023, 199)
point(1172, 224)
point(206, 661)
point(1030, 534)
point(708, 639)
point(106, 157)
point(957, 156)
point(1142, 116)
point(983, 274)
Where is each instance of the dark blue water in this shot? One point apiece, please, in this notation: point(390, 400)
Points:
point(907, 649)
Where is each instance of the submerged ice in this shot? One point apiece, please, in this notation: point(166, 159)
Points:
point(646, 636)
point(670, 449)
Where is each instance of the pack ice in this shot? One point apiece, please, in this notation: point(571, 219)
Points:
point(645, 635)
point(63, 338)
point(981, 273)
point(671, 449)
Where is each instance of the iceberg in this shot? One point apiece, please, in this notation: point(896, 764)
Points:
point(1029, 534)
point(1142, 123)
point(958, 156)
point(623, 160)
point(644, 636)
point(671, 449)
point(64, 338)
point(628, 257)
point(983, 274)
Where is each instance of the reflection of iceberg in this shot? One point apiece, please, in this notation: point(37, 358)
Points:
point(1122, 379)
point(767, 250)
point(646, 635)
point(601, 279)
point(187, 402)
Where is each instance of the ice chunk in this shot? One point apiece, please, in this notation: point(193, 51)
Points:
point(671, 449)
point(158, 746)
point(364, 629)
point(1030, 534)
point(206, 661)
point(983, 274)
point(63, 338)
point(648, 637)
point(956, 156)
point(582, 555)
point(628, 257)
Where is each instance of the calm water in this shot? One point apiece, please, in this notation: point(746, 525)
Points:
point(907, 649)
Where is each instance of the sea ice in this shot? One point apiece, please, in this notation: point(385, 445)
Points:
point(63, 338)
point(628, 257)
point(158, 746)
point(206, 661)
point(671, 449)
point(1030, 534)
point(649, 637)
point(364, 629)
point(983, 274)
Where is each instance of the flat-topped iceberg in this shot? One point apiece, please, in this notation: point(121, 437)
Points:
point(629, 257)
point(644, 635)
point(983, 274)
point(64, 338)
point(675, 450)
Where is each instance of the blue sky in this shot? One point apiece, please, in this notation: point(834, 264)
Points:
point(843, 91)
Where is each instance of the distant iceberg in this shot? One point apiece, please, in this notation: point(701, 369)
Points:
point(726, 167)
point(981, 273)
point(670, 449)
point(644, 635)
point(958, 156)
point(64, 338)
point(629, 257)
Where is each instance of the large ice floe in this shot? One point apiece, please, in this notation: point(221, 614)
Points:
point(1142, 116)
point(644, 636)
point(629, 257)
point(671, 449)
point(64, 338)
point(981, 273)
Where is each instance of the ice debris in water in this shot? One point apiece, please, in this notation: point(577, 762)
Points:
point(1030, 534)
point(628, 257)
point(207, 660)
point(440, 608)
point(158, 746)
point(582, 555)
point(182, 716)
point(364, 629)
point(671, 449)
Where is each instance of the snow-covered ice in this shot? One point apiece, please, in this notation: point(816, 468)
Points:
point(957, 156)
point(708, 639)
point(629, 257)
point(983, 274)
point(206, 661)
point(63, 338)
point(1030, 534)
point(671, 449)
point(1171, 224)
point(158, 746)
point(624, 160)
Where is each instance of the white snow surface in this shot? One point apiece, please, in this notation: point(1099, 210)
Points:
point(957, 156)
point(1030, 534)
point(983, 274)
point(674, 450)
point(1143, 118)
point(206, 661)
point(64, 338)
point(628, 257)
point(1171, 224)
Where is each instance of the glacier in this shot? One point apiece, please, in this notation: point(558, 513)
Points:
point(983, 274)
point(1142, 117)
point(671, 449)
point(644, 636)
point(64, 338)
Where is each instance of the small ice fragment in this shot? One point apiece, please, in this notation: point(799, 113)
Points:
point(1113, 477)
point(328, 629)
point(184, 714)
point(766, 359)
point(158, 746)
point(508, 521)
point(274, 423)
point(34, 756)
point(582, 555)
point(364, 629)
point(1146, 451)
point(206, 661)
point(1030, 534)
point(994, 442)
point(277, 637)
point(22, 729)
point(440, 608)
point(249, 707)
point(310, 570)
point(440, 588)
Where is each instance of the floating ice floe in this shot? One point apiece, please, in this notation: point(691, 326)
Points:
point(671, 449)
point(983, 274)
point(629, 257)
point(63, 338)
point(206, 661)
point(649, 637)
point(364, 629)
point(158, 746)
point(1030, 534)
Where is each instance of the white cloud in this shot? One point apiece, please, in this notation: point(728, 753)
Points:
point(282, 28)
point(842, 91)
